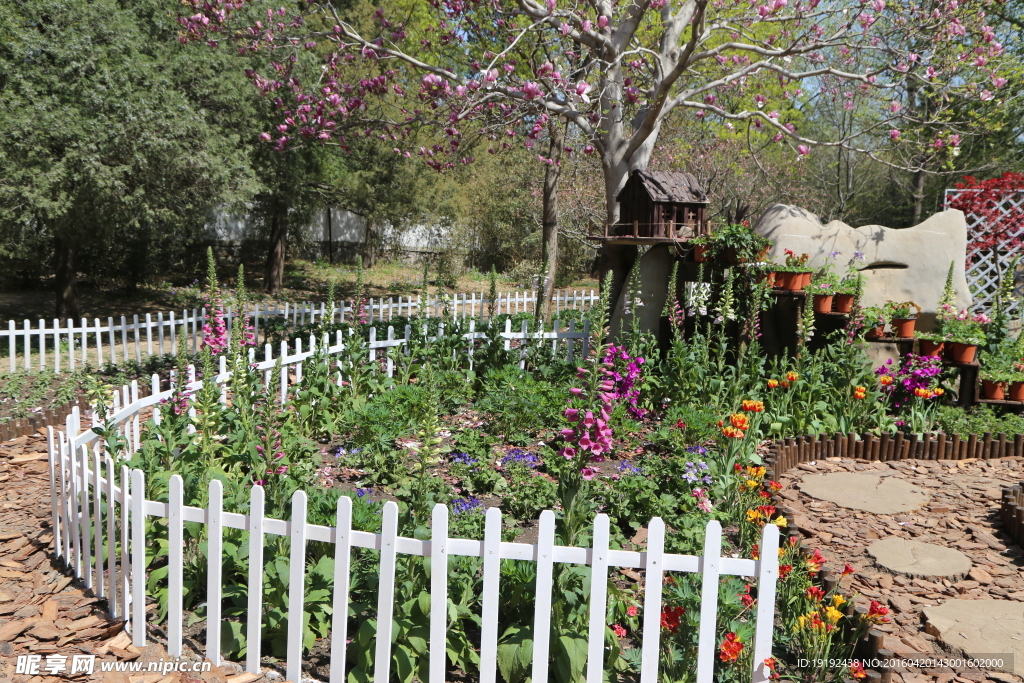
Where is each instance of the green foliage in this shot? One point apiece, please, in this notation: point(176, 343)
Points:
point(977, 420)
point(110, 148)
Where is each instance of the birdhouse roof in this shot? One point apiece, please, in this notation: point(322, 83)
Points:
point(668, 187)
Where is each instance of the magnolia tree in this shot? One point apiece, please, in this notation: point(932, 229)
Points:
point(613, 71)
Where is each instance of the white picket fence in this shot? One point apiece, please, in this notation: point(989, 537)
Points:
point(67, 345)
point(98, 516)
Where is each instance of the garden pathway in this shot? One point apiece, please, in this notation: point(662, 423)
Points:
point(933, 506)
point(43, 609)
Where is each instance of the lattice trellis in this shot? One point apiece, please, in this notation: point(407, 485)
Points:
point(984, 265)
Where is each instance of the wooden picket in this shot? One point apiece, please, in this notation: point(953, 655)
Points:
point(75, 483)
point(65, 345)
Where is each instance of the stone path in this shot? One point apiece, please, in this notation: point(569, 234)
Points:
point(43, 609)
point(924, 560)
point(954, 509)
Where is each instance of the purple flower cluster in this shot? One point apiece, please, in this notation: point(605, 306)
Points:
point(628, 468)
point(518, 455)
point(625, 371)
point(215, 330)
point(364, 492)
point(914, 372)
point(463, 459)
point(464, 505)
point(697, 471)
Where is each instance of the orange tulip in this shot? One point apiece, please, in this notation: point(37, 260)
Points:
point(773, 383)
point(739, 421)
point(792, 376)
point(732, 432)
point(753, 406)
point(885, 380)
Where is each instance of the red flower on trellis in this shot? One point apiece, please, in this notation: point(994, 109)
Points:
point(997, 214)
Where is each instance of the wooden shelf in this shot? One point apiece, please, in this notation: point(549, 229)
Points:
point(891, 340)
point(1002, 402)
point(628, 239)
point(972, 364)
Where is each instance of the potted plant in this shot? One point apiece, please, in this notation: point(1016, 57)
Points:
point(902, 317)
point(932, 344)
point(963, 333)
point(823, 287)
point(846, 292)
point(740, 244)
point(850, 285)
point(874, 322)
point(790, 276)
point(996, 375)
point(701, 247)
point(1015, 392)
point(1001, 370)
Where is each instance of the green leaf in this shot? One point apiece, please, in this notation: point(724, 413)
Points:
point(232, 639)
point(403, 663)
point(515, 654)
point(571, 657)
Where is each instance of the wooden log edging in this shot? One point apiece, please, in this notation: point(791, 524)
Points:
point(792, 451)
point(1011, 512)
point(52, 417)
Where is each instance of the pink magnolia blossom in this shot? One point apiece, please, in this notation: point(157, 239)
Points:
point(531, 90)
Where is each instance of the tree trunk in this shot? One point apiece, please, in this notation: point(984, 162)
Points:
point(549, 253)
point(616, 169)
point(370, 245)
point(918, 194)
point(66, 278)
point(274, 275)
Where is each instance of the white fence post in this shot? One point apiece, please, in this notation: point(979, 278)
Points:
point(255, 611)
point(296, 587)
point(386, 591)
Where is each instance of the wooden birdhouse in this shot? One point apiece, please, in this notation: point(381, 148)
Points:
point(660, 206)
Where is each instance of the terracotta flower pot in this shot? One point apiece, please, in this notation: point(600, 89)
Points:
point(700, 253)
point(992, 389)
point(791, 282)
point(843, 303)
point(932, 349)
point(770, 278)
point(806, 279)
point(1016, 391)
point(822, 303)
point(903, 327)
point(875, 332)
point(962, 353)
